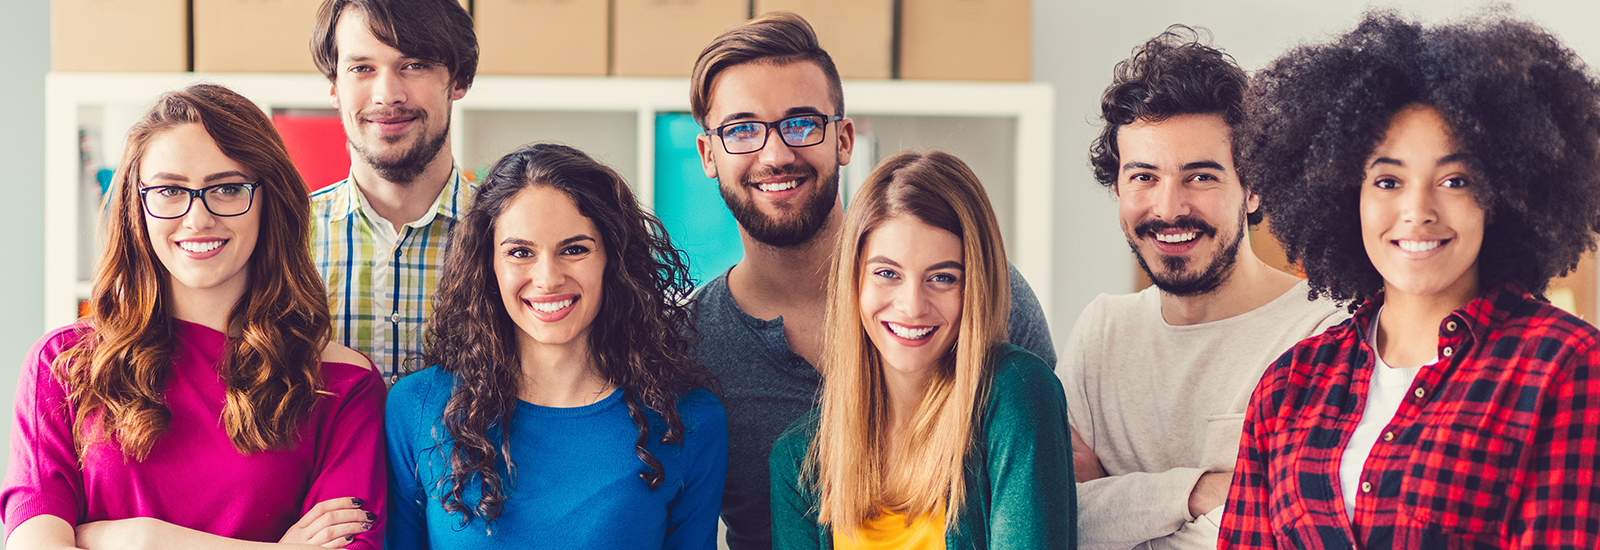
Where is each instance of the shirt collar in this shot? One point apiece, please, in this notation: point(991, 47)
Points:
point(1489, 309)
point(451, 203)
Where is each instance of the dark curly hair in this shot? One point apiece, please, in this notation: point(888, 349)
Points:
point(1524, 110)
point(640, 339)
point(1175, 73)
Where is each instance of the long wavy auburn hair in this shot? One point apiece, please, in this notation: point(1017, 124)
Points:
point(640, 338)
point(847, 460)
point(119, 371)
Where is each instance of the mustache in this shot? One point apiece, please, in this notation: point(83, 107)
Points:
point(787, 170)
point(392, 112)
point(1149, 228)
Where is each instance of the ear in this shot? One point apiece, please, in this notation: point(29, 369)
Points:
point(708, 163)
point(457, 92)
point(1252, 202)
point(333, 95)
point(847, 140)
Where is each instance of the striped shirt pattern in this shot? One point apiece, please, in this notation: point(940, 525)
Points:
point(381, 299)
point(1496, 446)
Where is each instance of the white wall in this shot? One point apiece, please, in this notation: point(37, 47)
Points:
point(1076, 43)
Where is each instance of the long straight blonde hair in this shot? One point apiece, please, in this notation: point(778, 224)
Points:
point(847, 462)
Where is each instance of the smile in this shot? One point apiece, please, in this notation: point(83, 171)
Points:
point(1418, 246)
point(779, 186)
point(909, 333)
point(200, 247)
point(1176, 238)
point(552, 307)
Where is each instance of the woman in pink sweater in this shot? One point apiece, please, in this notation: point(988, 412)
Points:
point(200, 403)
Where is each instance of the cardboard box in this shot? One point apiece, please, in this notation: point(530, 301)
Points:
point(254, 36)
point(858, 34)
point(119, 35)
point(966, 40)
point(663, 37)
point(543, 37)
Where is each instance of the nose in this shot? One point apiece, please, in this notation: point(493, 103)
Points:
point(911, 300)
point(1418, 205)
point(544, 274)
point(1169, 200)
point(775, 152)
point(198, 217)
point(387, 88)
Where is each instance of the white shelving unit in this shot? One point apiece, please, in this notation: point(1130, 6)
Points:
point(1005, 130)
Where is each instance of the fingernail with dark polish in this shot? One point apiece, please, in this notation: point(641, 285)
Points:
point(348, 538)
point(357, 501)
point(366, 527)
point(372, 517)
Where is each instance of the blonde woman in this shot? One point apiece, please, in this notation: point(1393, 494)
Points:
point(933, 432)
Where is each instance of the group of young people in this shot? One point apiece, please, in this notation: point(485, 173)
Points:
point(877, 377)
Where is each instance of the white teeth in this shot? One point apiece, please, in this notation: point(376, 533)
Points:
point(1176, 238)
point(780, 186)
point(910, 333)
point(551, 307)
point(198, 247)
point(1418, 246)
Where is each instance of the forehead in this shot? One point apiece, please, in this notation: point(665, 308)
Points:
point(1176, 141)
point(912, 243)
point(768, 91)
point(185, 150)
point(542, 212)
point(1417, 133)
point(354, 39)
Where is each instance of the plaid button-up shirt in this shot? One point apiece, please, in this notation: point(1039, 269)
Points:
point(381, 294)
point(1497, 445)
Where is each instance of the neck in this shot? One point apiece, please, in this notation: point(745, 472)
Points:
point(560, 375)
point(1252, 284)
point(401, 203)
point(788, 275)
point(210, 307)
point(1408, 330)
point(905, 392)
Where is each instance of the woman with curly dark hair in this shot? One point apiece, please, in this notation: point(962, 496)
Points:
point(564, 407)
point(1437, 178)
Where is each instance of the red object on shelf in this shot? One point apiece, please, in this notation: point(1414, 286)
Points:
point(316, 144)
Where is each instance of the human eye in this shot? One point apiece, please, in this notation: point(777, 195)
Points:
point(1204, 177)
point(575, 250)
point(167, 191)
point(885, 273)
point(945, 279)
point(359, 69)
point(416, 66)
point(519, 253)
point(743, 131)
point(1457, 182)
point(227, 191)
point(1386, 183)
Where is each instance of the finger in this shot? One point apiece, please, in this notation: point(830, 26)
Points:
point(341, 534)
point(337, 518)
point(327, 506)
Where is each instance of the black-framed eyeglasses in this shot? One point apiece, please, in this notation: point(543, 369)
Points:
point(224, 199)
point(739, 138)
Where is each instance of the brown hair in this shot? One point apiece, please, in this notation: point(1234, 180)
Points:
point(118, 372)
point(436, 31)
point(778, 38)
point(847, 460)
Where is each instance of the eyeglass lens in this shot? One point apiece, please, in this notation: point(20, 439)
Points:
point(800, 131)
point(171, 201)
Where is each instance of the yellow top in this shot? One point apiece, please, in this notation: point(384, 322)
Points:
point(889, 531)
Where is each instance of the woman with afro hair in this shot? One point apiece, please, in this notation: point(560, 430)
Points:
point(1436, 179)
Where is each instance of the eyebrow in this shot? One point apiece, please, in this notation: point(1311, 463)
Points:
point(792, 111)
point(210, 178)
point(564, 242)
point(1199, 164)
point(1136, 165)
point(947, 264)
point(1447, 159)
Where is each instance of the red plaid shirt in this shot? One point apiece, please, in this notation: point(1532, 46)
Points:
point(1497, 445)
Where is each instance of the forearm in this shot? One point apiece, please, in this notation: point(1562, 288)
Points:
point(152, 534)
point(1194, 535)
point(1120, 512)
point(43, 532)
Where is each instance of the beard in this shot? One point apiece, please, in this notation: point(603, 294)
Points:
point(404, 166)
point(1175, 280)
point(805, 221)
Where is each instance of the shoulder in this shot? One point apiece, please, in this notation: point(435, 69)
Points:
point(702, 412)
point(335, 352)
point(796, 439)
point(422, 387)
point(328, 194)
point(1020, 378)
point(713, 292)
point(38, 368)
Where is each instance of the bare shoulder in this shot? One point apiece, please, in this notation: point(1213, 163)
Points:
point(339, 353)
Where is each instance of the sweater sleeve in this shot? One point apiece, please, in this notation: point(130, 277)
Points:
point(44, 478)
point(794, 521)
point(352, 456)
point(1032, 501)
point(407, 405)
point(692, 517)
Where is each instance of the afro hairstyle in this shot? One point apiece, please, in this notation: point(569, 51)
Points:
point(1523, 110)
point(1175, 73)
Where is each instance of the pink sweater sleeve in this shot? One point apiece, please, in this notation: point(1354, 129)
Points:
point(44, 478)
point(351, 455)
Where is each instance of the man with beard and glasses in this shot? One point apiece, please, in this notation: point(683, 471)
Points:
point(1157, 382)
point(380, 236)
point(772, 106)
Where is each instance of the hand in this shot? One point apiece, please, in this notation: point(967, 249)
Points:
point(331, 523)
point(122, 534)
point(1085, 464)
point(1209, 493)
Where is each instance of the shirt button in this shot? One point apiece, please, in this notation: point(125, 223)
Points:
point(1450, 326)
point(1448, 352)
point(1388, 436)
point(1366, 486)
point(394, 318)
point(1420, 393)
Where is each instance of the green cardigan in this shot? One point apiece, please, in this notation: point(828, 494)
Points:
point(1020, 490)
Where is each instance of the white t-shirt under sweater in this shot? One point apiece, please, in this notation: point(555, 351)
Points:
point(1386, 391)
point(1161, 405)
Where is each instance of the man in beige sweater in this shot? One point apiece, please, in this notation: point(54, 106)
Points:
point(1157, 382)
